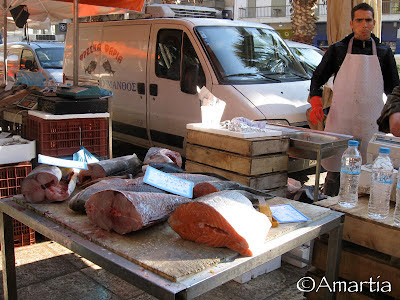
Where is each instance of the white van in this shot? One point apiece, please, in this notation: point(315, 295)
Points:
point(154, 66)
point(33, 62)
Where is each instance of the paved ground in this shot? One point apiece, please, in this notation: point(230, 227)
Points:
point(47, 270)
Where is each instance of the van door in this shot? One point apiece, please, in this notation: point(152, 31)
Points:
point(171, 107)
point(123, 68)
point(29, 69)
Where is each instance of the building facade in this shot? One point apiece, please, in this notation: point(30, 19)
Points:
point(276, 13)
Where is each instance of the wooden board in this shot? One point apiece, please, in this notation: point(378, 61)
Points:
point(357, 265)
point(359, 229)
point(260, 182)
point(159, 248)
point(246, 147)
point(236, 163)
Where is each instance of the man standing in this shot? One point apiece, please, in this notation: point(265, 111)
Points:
point(364, 69)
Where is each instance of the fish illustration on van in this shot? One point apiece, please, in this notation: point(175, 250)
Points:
point(107, 67)
point(91, 67)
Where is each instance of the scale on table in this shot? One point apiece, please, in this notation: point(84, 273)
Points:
point(384, 140)
point(79, 92)
point(30, 101)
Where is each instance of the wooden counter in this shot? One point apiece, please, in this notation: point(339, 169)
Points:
point(371, 248)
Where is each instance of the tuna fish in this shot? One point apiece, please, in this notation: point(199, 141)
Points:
point(47, 184)
point(124, 211)
point(205, 188)
point(222, 219)
point(109, 167)
point(77, 203)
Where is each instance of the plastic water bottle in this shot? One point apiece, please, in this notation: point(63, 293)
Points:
point(396, 216)
point(350, 175)
point(381, 185)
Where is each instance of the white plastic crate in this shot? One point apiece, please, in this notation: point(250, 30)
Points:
point(264, 268)
point(16, 149)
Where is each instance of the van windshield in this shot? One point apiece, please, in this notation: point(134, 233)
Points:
point(50, 58)
point(249, 55)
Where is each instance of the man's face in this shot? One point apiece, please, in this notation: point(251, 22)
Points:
point(362, 24)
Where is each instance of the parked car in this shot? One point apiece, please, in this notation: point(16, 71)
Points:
point(308, 55)
point(33, 63)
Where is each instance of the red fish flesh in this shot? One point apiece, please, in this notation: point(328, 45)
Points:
point(46, 184)
point(162, 155)
point(222, 219)
point(124, 211)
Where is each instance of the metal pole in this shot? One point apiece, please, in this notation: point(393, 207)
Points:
point(76, 42)
point(5, 41)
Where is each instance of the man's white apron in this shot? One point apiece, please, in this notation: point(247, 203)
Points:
point(357, 102)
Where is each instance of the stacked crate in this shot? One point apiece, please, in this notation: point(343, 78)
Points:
point(11, 177)
point(260, 163)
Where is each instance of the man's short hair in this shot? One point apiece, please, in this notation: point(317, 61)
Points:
point(362, 6)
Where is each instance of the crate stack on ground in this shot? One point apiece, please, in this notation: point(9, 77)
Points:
point(11, 176)
point(370, 253)
point(260, 163)
point(63, 135)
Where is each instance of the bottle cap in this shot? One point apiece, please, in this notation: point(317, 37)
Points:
point(353, 143)
point(384, 150)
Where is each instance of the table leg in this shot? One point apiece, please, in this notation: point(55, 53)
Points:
point(8, 259)
point(317, 173)
point(333, 259)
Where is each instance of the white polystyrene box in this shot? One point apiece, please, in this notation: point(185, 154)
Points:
point(24, 150)
point(303, 251)
point(269, 266)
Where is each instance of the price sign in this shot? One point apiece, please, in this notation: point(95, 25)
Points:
point(168, 182)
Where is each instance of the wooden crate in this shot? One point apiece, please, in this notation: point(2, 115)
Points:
point(360, 264)
point(370, 247)
point(260, 163)
point(246, 147)
point(261, 182)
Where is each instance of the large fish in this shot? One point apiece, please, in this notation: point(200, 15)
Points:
point(77, 203)
point(222, 219)
point(205, 188)
point(124, 211)
point(110, 167)
point(48, 184)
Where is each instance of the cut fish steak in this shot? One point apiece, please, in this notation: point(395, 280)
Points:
point(45, 184)
point(124, 211)
point(222, 219)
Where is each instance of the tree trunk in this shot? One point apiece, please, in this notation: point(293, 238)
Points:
point(303, 20)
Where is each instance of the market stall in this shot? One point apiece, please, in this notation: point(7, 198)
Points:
point(156, 259)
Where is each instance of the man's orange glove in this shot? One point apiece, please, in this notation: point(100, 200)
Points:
point(316, 113)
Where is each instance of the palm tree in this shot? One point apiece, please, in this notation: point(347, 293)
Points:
point(303, 20)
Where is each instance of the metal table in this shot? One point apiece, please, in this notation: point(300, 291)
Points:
point(154, 284)
point(313, 144)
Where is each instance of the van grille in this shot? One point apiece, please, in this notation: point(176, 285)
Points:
point(45, 37)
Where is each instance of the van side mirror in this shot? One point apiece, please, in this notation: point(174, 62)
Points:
point(189, 79)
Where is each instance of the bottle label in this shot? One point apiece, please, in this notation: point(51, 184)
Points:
point(355, 171)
